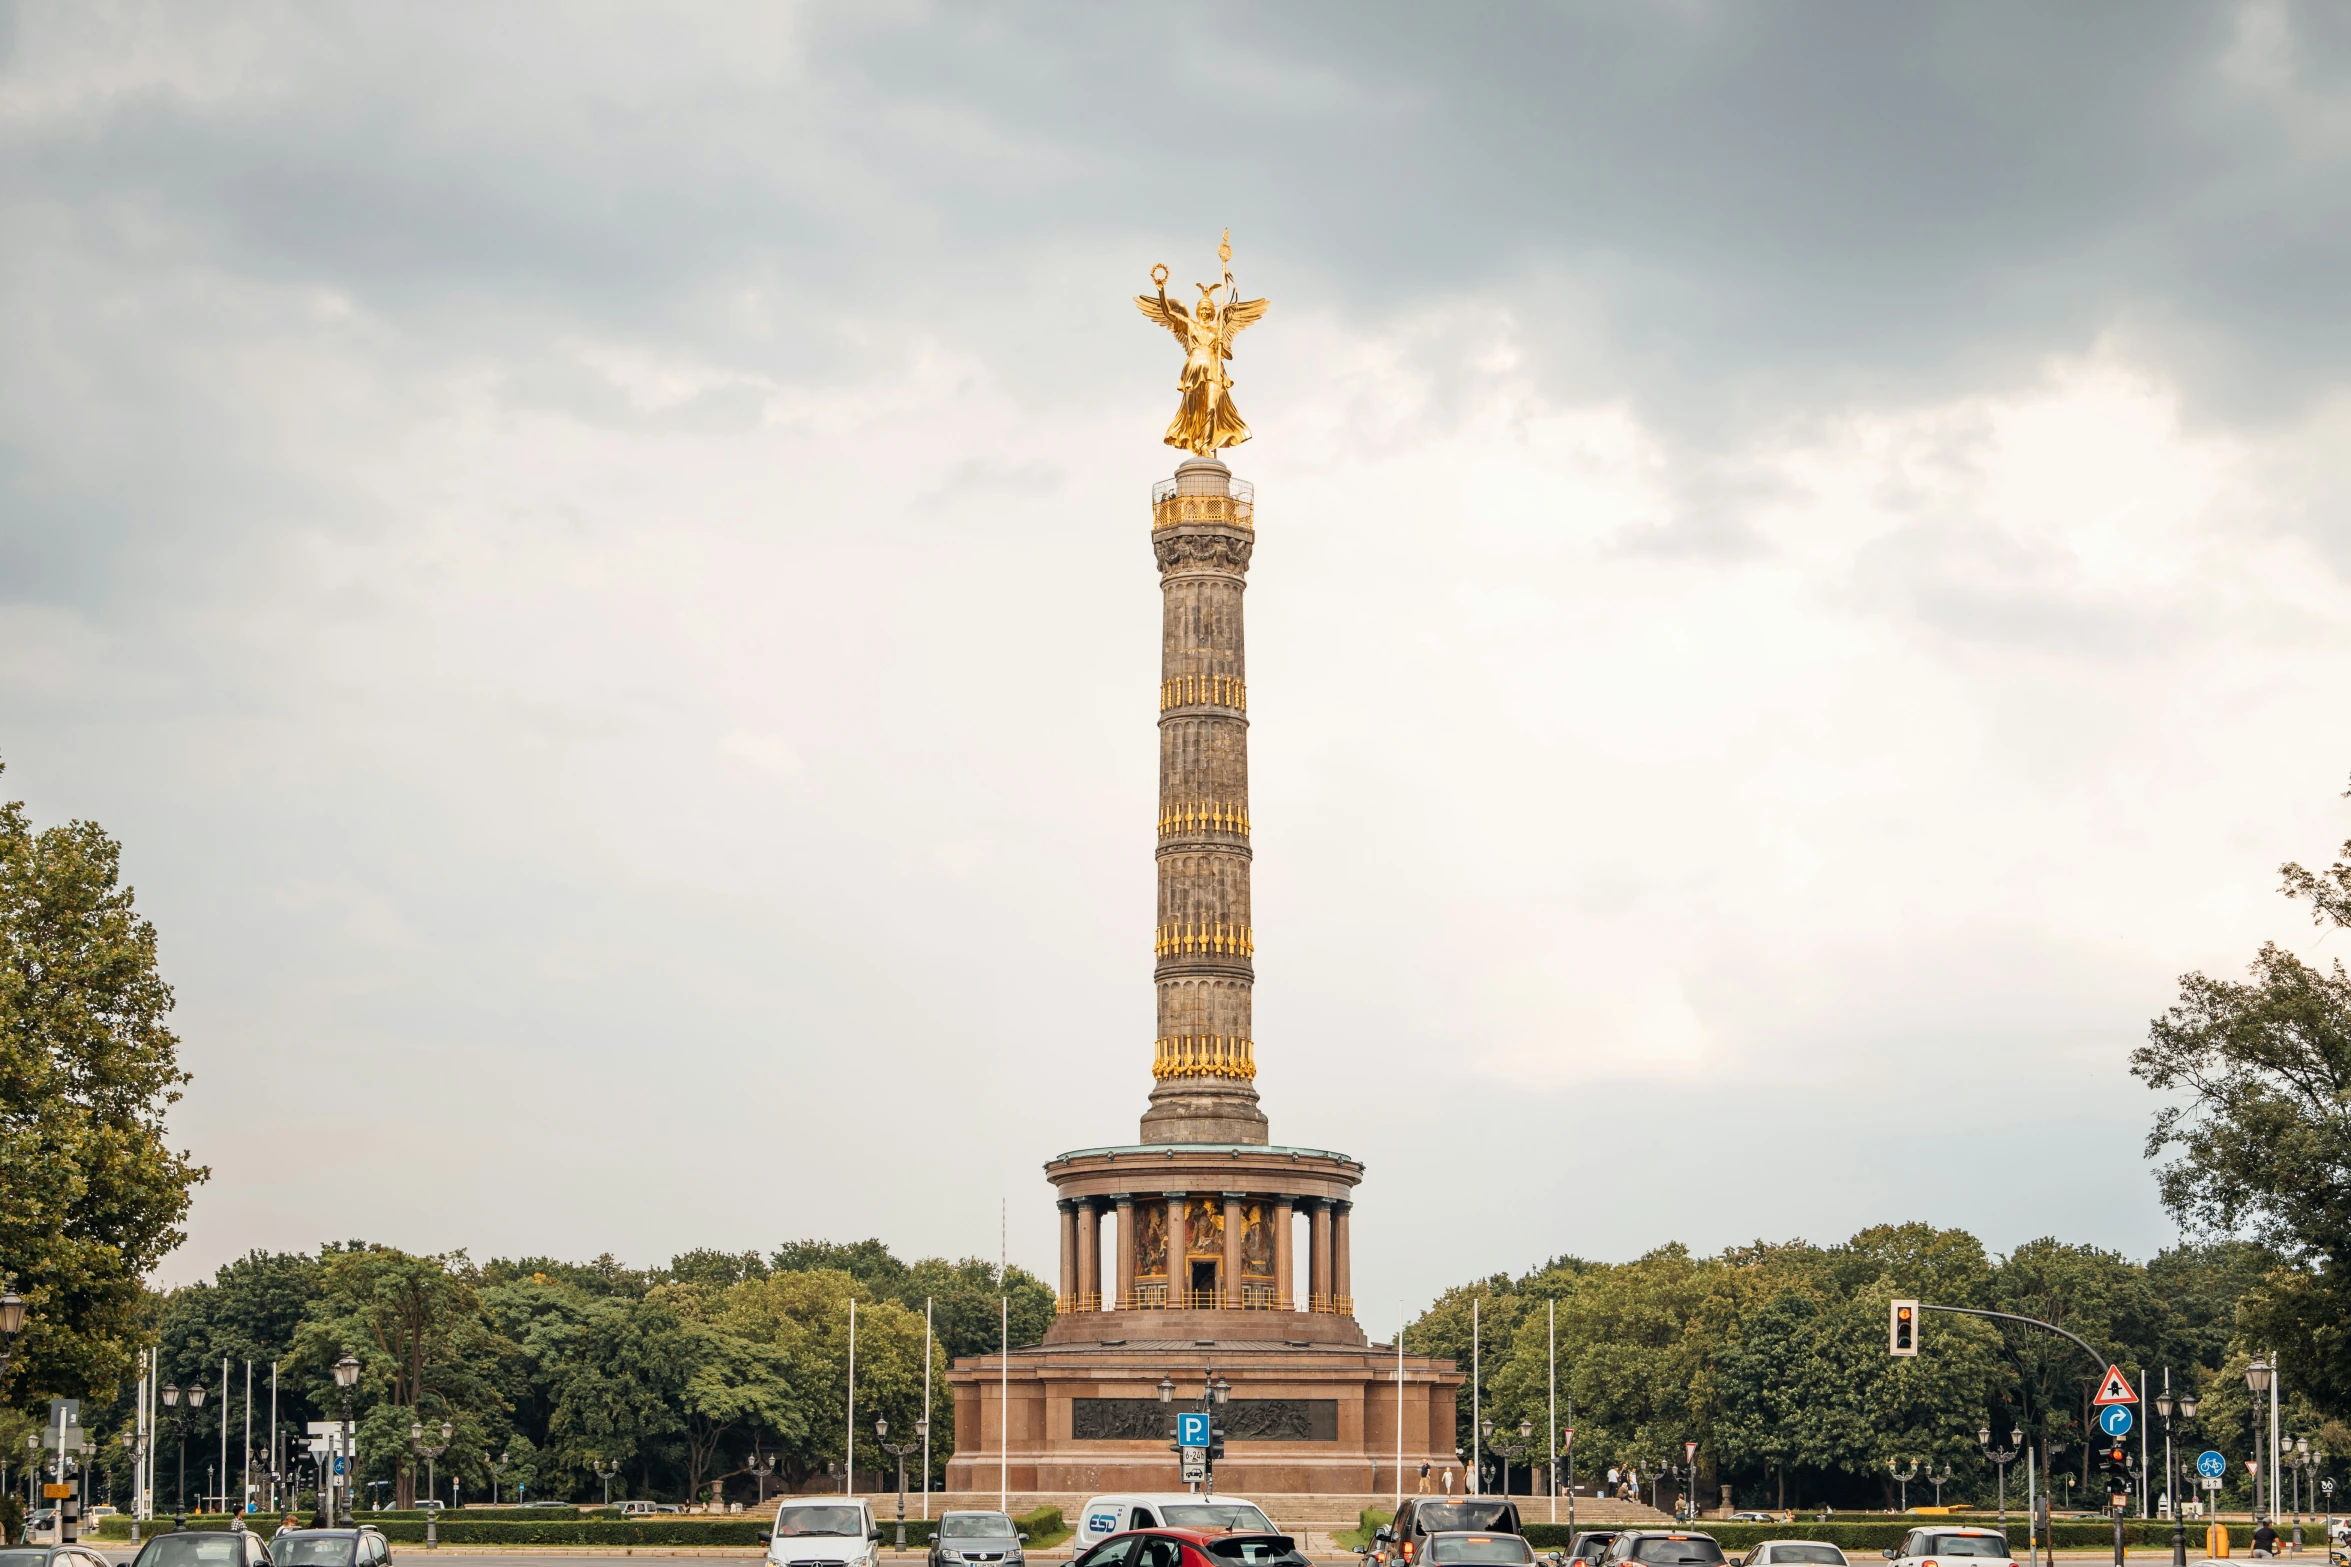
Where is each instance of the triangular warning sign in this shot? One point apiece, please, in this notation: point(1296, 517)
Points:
point(2115, 1389)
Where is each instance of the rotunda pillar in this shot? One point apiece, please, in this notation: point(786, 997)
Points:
point(1322, 1256)
point(1126, 1255)
point(1234, 1220)
point(1342, 1256)
point(1283, 1298)
point(1179, 1273)
point(1089, 1256)
point(1069, 1253)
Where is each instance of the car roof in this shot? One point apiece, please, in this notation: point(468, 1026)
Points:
point(1157, 1498)
point(1953, 1528)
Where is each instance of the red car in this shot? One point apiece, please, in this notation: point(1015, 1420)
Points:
point(1193, 1548)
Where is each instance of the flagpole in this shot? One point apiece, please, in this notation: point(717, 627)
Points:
point(849, 1454)
point(926, 1406)
point(1551, 1313)
point(1003, 1403)
point(1399, 1406)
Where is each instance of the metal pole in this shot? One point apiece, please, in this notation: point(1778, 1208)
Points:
point(2276, 1378)
point(273, 1436)
point(1551, 1317)
point(1477, 1457)
point(224, 1430)
point(926, 1406)
point(1004, 1402)
point(1399, 1407)
point(245, 1500)
point(849, 1441)
point(2032, 1510)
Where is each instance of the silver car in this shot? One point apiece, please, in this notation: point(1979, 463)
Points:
point(976, 1537)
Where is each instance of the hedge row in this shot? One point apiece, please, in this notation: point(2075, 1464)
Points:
point(1045, 1528)
point(1874, 1535)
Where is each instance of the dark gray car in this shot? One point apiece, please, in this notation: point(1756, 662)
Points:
point(976, 1537)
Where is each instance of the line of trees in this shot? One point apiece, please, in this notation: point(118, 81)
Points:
point(682, 1376)
point(1772, 1357)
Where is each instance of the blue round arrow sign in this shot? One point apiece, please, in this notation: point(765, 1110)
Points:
point(2211, 1465)
point(2115, 1419)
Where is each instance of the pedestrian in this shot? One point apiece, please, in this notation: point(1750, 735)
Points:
point(1448, 1479)
point(2265, 1539)
point(286, 1526)
point(1424, 1477)
point(1615, 1482)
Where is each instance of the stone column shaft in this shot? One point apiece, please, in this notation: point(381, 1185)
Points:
point(1069, 1254)
point(1322, 1257)
point(1089, 1256)
point(1126, 1253)
point(1233, 1222)
point(1342, 1265)
point(1282, 1268)
point(1179, 1275)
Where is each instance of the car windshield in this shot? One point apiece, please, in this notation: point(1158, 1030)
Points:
point(975, 1526)
point(1437, 1517)
point(299, 1550)
point(23, 1558)
point(1257, 1549)
point(1965, 1545)
point(1665, 1550)
point(1808, 1553)
point(1216, 1515)
point(1479, 1548)
point(820, 1520)
point(200, 1550)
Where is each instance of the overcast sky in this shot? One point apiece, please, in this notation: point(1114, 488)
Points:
point(597, 561)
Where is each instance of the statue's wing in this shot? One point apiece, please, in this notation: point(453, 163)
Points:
point(1168, 314)
point(1239, 314)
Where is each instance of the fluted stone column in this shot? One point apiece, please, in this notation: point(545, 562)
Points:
point(1126, 1254)
point(1069, 1253)
point(1204, 1062)
point(1089, 1256)
point(1342, 1264)
point(1233, 1221)
point(1313, 1222)
point(1282, 1269)
point(1322, 1255)
point(1178, 1274)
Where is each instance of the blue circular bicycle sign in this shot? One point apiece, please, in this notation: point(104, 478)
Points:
point(2211, 1465)
point(2115, 1419)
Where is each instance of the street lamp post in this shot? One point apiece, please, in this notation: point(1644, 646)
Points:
point(1940, 1480)
point(899, 1450)
point(1903, 1478)
point(2165, 1405)
point(761, 1467)
point(497, 1472)
point(2003, 1456)
point(11, 1324)
point(1214, 1391)
point(347, 1378)
point(604, 1472)
point(135, 1444)
point(2257, 1379)
point(1503, 1450)
point(179, 1427)
point(426, 1451)
point(32, 1465)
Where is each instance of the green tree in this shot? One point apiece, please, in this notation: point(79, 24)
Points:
point(91, 1195)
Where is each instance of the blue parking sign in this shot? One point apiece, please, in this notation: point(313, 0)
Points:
point(2211, 1465)
point(2115, 1419)
point(1191, 1430)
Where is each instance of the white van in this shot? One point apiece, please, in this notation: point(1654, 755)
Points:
point(1104, 1516)
point(823, 1531)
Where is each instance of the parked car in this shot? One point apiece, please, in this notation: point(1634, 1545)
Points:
point(364, 1546)
point(1754, 1517)
point(1590, 1545)
point(1976, 1545)
point(644, 1509)
point(1422, 1516)
point(50, 1556)
point(837, 1532)
point(1116, 1513)
point(1169, 1547)
point(1785, 1553)
point(1469, 1548)
point(977, 1537)
point(1665, 1548)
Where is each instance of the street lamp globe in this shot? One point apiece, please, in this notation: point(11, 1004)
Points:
point(1526, 1429)
point(2257, 1375)
point(2301, 1445)
point(1166, 1390)
point(2163, 1405)
point(881, 1427)
point(346, 1371)
point(171, 1395)
point(196, 1396)
point(416, 1431)
point(922, 1427)
point(1222, 1389)
point(11, 1314)
point(2016, 1437)
point(446, 1430)
point(1486, 1428)
point(2188, 1403)
point(1983, 1436)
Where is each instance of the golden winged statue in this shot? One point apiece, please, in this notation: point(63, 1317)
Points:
point(1206, 419)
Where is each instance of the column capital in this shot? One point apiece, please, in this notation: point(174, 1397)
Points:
point(1175, 1194)
point(1125, 1199)
point(1340, 1205)
point(1236, 1196)
point(1066, 1204)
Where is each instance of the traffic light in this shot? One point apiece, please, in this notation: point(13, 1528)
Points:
point(1902, 1328)
point(1215, 1441)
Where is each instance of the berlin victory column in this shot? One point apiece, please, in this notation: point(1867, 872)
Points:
point(1205, 1212)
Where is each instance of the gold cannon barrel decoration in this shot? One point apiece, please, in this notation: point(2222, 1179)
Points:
point(1184, 936)
point(1208, 816)
point(1204, 1055)
point(1204, 691)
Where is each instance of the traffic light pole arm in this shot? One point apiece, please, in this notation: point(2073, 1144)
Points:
point(2030, 1322)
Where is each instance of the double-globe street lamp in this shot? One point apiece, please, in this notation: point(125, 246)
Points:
point(1903, 1478)
point(760, 1467)
point(179, 1429)
point(899, 1450)
point(1215, 1391)
point(427, 1452)
point(604, 1472)
point(1504, 1451)
point(2165, 1408)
